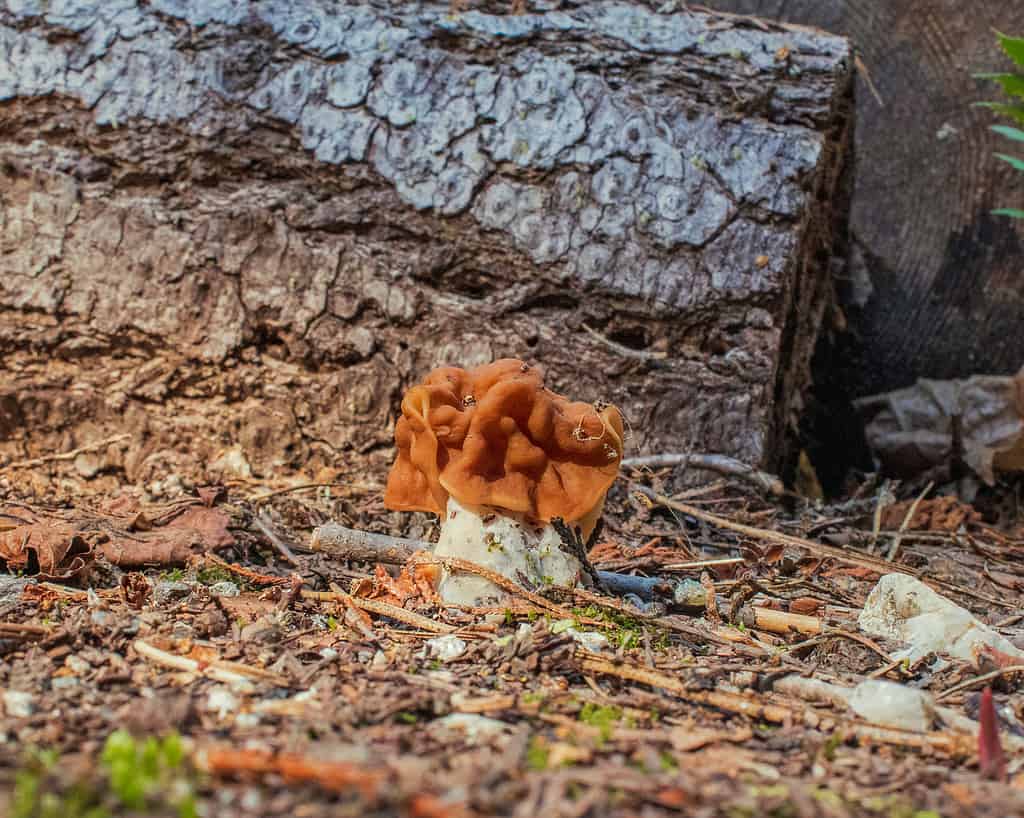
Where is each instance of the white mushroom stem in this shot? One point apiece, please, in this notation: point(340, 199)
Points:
point(528, 552)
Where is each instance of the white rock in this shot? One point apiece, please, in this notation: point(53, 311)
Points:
point(904, 609)
point(589, 640)
point(444, 648)
point(221, 701)
point(247, 720)
point(77, 665)
point(18, 704)
point(893, 705)
point(528, 553)
point(474, 727)
point(224, 588)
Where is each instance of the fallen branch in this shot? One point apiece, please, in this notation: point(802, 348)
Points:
point(719, 463)
point(51, 458)
point(818, 691)
point(364, 546)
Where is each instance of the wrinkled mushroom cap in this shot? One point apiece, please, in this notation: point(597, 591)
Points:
point(494, 436)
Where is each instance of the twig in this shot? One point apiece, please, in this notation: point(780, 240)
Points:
point(895, 549)
point(719, 463)
point(276, 541)
point(17, 630)
point(501, 581)
point(251, 576)
point(879, 566)
point(50, 458)
point(885, 498)
point(228, 672)
point(692, 566)
point(862, 69)
point(624, 351)
point(382, 609)
point(979, 680)
point(784, 622)
point(306, 486)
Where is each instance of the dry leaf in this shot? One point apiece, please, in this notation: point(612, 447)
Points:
point(49, 549)
point(938, 514)
point(914, 429)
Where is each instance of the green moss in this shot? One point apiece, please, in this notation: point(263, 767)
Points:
point(833, 743)
point(140, 775)
point(537, 754)
point(144, 773)
point(603, 717)
point(622, 630)
point(212, 574)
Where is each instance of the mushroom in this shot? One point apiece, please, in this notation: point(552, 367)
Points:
point(499, 458)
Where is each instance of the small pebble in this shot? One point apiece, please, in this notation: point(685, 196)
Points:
point(590, 640)
point(444, 648)
point(63, 682)
point(246, 720)
point(225, 588)
point(18, 704)
point(689, 593)
point(77, 665)
point(328, 654)
point(167, 591)
point(221, 701)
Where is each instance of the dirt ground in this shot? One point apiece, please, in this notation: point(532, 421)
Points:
point(294, 698)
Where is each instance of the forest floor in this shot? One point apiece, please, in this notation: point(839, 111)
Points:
point(248, 682)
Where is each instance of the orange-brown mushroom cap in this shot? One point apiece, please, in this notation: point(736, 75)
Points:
point(494, 436)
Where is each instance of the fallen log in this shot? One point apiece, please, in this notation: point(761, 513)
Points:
point(292, 211)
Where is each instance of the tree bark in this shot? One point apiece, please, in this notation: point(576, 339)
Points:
point(935, 282)
point(253, 225)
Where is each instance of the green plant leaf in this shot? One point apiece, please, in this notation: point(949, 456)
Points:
point(1013, 111)
point(1012, 160)
point(1013, 46)
point(1013, 84)
point(1010, 133)
point(1013, 213)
